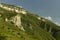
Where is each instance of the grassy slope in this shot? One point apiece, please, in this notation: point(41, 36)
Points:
point(36, 31)
point(35, 23)
point(13, 33)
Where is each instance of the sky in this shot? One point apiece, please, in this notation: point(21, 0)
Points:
point(45, 8)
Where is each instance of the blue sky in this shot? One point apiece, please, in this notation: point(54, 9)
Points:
point(41, 7)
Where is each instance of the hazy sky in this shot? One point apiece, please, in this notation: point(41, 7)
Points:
point(42, 7)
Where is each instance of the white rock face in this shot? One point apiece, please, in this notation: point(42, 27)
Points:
point(5, 7)
point(10, 9)
point(17, 11)
point(13, 9)
point(23, 12)
point(17, 21)
point(6, 19)
point(21, 27)
point(20, 11)
point(39, 18)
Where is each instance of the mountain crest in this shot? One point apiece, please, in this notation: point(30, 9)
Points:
point(13, 8)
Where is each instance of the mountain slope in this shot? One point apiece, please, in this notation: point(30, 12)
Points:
point(18, 24)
